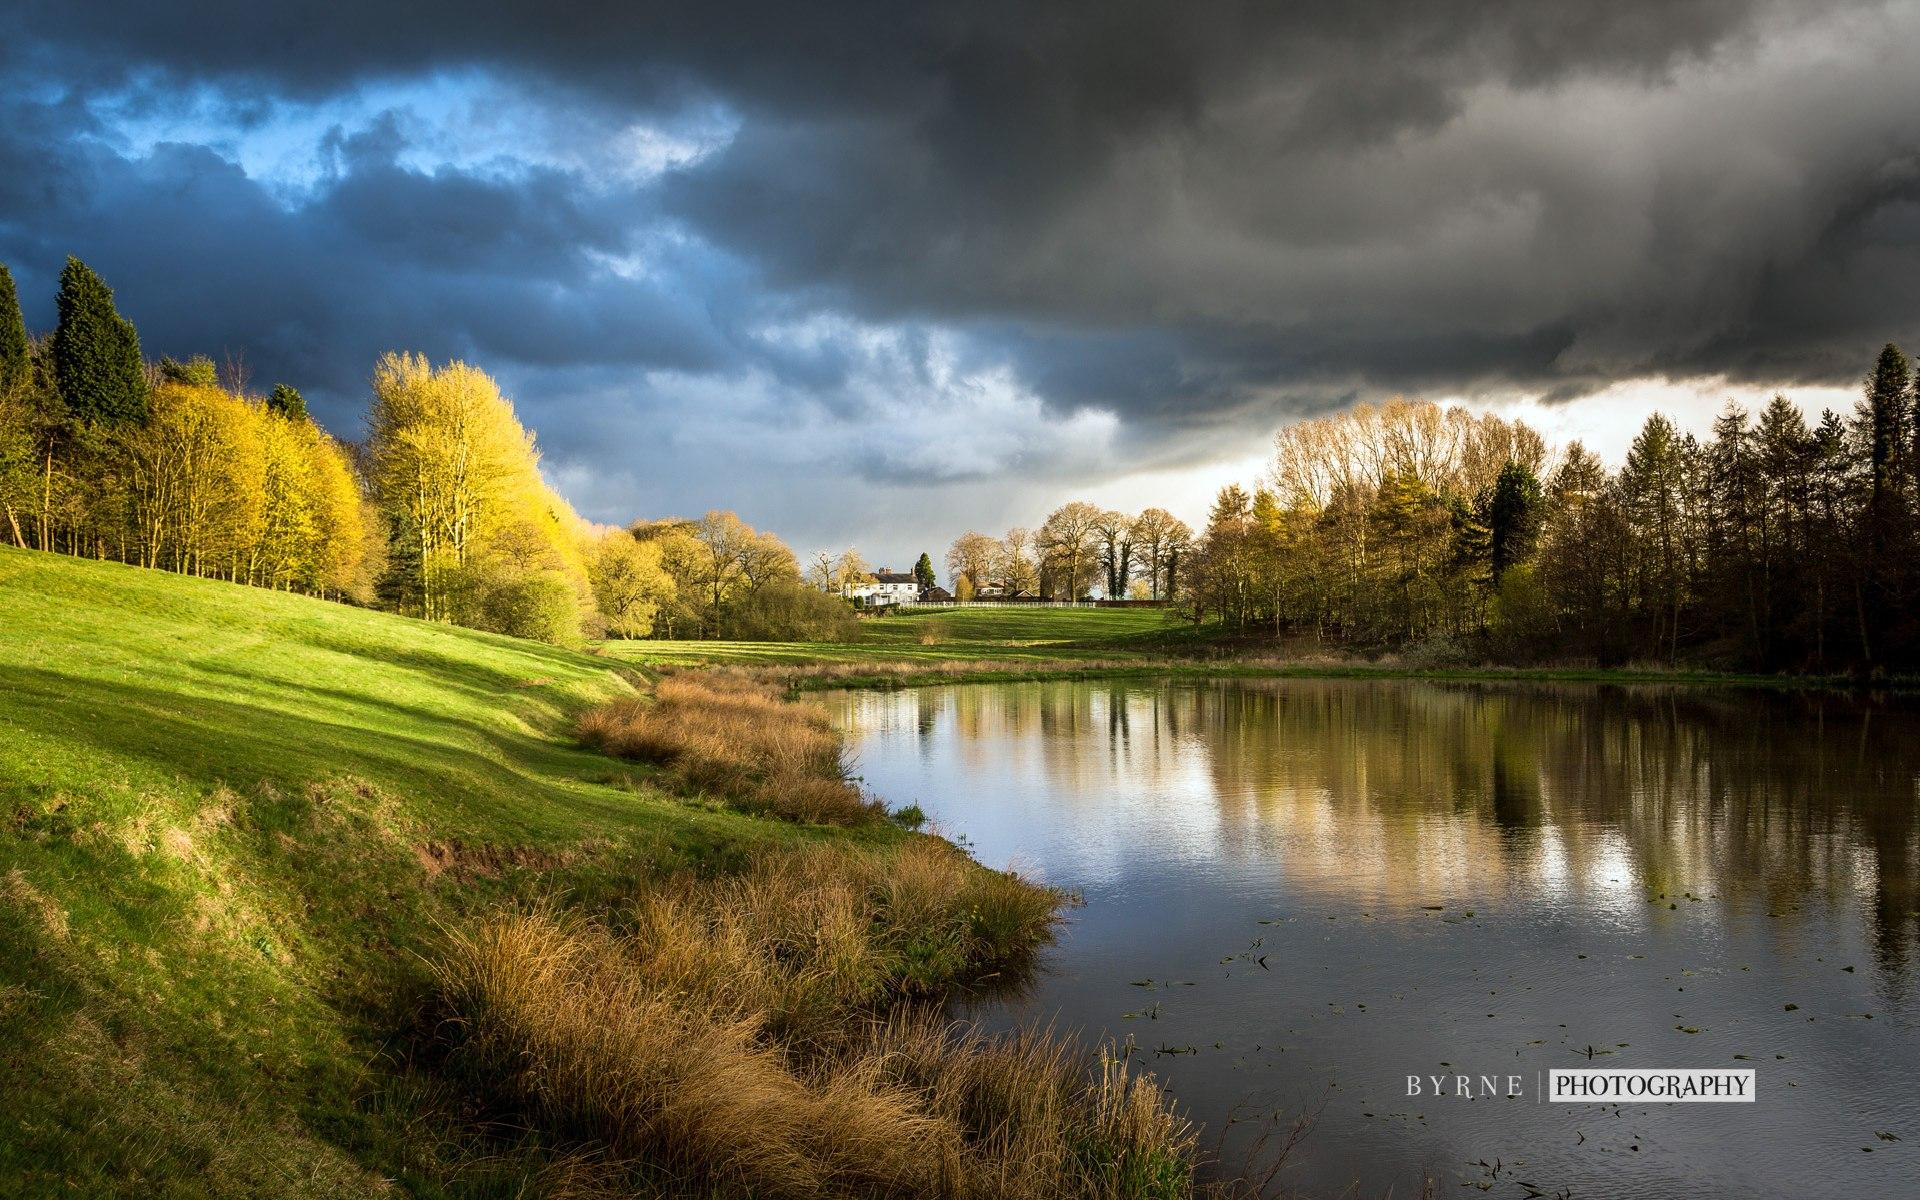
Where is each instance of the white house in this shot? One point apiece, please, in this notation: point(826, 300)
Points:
point(888, 587)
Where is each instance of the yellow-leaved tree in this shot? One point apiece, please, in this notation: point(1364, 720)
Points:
point(196, 484)
point(478, 536)
point(630, 582)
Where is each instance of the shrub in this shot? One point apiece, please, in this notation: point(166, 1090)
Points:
point(542, 607)
point(786, 610)
point(910, 817)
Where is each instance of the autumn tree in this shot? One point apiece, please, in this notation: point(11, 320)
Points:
point(196, 481)
point(972, 557)
point(1014, 562)
point(1066, 543)
point(458, 480)
point(851, 571)
point(1158, 537)
point(1113, 534)
point(630, 582)
point(197, 371)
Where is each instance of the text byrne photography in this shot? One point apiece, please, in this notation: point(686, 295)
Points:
point(1578, 1086)
point(1123, 601)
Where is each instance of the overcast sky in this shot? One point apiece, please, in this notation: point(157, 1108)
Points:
point(873, 273)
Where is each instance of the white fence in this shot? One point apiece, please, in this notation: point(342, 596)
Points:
point(936, 604)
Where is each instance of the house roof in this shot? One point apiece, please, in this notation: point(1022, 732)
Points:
point(893, 577)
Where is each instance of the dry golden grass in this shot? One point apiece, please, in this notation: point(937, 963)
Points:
point(729, 735)
point(750, 1034)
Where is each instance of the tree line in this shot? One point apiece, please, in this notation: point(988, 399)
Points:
point(440, 513)
point(1773, 544)
point(1079, 550)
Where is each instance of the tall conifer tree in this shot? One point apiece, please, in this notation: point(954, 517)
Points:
point(14, 353)
point(1886, 415)
point(96, 353)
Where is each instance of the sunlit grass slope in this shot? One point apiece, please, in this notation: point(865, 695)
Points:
point(952, 635)
point(232, 824)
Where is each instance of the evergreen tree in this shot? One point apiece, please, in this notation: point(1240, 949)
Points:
point(288, 402)
point(15, 352)
point(1885, 415)
point(1884, 419)
point(1653, 487)
point(923, 574)
point(1512, 518)
point(96, 353)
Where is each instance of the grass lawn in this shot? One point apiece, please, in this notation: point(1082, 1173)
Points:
point(1005, 644)
point(948, 635)
point(232, 824)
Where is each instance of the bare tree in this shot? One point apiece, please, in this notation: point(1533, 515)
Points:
point(1114, 534)
point(1067, 543)
point(1014, 562)
point(972, 557)
point(1158, 536)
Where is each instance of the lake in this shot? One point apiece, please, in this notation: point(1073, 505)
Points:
point(1299, 893)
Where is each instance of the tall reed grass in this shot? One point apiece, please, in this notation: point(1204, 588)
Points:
point(728, 735)
point(759, 1035)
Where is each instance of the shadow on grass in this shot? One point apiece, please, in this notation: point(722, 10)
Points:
point(493, 771)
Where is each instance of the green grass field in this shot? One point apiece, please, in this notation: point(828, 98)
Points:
point(1007, 644)
point(948, 635)
point(235, 823)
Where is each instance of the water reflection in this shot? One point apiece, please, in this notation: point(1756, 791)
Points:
point(1427, 837)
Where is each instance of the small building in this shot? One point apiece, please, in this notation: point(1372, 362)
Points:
point(887, 587)
point(936, 595)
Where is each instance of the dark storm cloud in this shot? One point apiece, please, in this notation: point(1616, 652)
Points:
point(376, 256)
point(1196, 216)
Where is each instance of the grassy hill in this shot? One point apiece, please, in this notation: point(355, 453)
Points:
point(931, 636)
point(233, 824)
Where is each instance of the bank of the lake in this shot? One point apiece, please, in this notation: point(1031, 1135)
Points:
point(933, 646)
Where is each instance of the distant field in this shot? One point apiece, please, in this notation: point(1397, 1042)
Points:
point(947, 635)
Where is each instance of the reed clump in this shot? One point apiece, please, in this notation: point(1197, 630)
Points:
point(759, 1034)
point(728, 735)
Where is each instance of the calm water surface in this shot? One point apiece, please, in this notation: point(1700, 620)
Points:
point(1298, 893)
